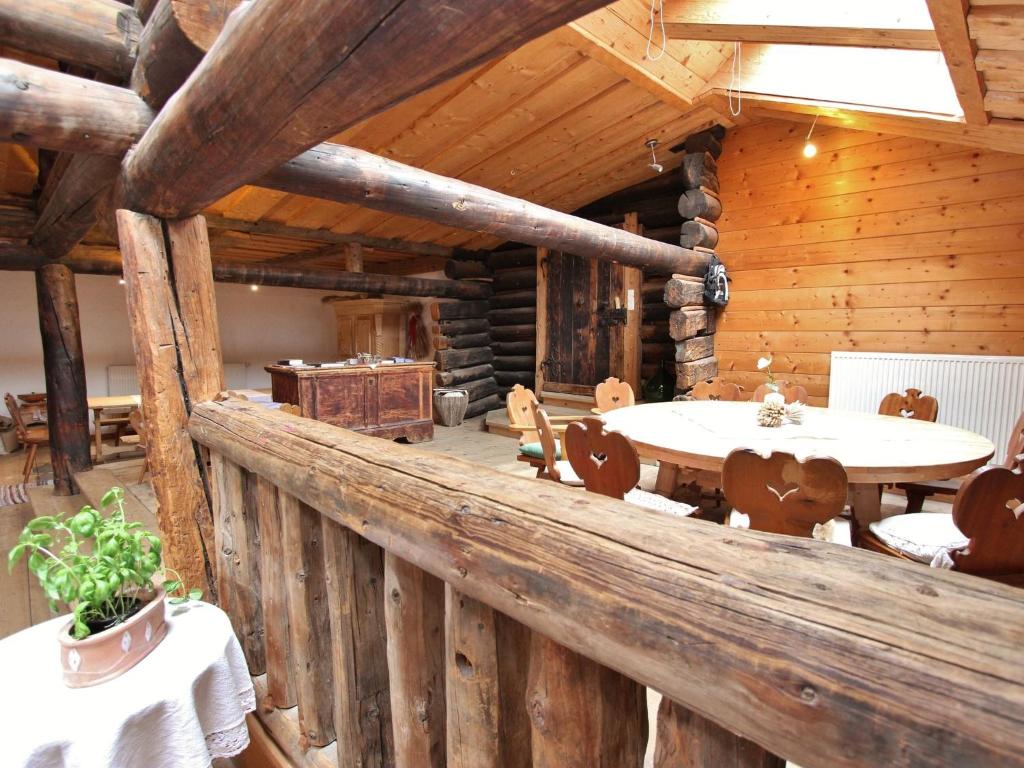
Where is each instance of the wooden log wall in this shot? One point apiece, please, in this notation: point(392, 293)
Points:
point(500, 602)
point(462, 344)
point(513, 316)
point(878, 243)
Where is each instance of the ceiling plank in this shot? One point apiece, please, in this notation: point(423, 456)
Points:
point(950, 19)
point(866, 24)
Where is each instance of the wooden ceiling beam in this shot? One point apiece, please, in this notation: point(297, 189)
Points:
point(866, 24)
point(295, 258)
point(20, 258)
point(950, 19)
point(101, 35)
point(340, 65)
point(349, 175)
point(43, 108)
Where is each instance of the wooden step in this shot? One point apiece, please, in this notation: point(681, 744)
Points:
point(97, 481)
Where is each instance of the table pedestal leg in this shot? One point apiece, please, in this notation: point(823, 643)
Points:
point(866, 502)
point(96, 417)
point(668, 479)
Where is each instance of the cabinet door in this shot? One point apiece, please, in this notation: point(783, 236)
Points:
point(399, 397)
point(341, 400)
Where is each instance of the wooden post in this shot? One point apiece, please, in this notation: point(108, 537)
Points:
point(687, 740)
point(66, 409)
point(541, 324)
point(355, 602)
point(172, 313)
point(414, 612)
point(632, 282)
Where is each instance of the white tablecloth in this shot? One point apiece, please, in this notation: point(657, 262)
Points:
point(180, 707)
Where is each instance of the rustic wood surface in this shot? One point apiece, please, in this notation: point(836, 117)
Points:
point(693, 371)
point(414, 612)
point(355, 600)
point(954, 699)
point(274, 595)
point(96, 34)
point(459, 310)
point(687, 740)
point(67, 416)
point(162, 336)
point(512, 299)
point(872, 448)
point(683, 293)
point(309, 621)
point(471, 683)
point(458, 376)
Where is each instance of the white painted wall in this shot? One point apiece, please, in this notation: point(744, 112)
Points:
point(256, 327)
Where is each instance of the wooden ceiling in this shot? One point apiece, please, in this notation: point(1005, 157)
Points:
point(563, 120)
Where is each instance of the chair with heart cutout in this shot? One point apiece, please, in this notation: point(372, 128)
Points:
point(781, 494)
point(911, 405)
point(611, 394)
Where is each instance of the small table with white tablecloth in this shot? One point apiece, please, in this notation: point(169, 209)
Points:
point(180, 707)
point(873, 449)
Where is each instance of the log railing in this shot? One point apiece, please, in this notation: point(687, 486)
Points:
point(425, 611)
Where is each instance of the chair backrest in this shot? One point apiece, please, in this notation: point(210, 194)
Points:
point(792, 392)
point(139, 425)
point(547, 440)
point(1016, 447)
point(989, 510)
point(607, 462)
point(612, 393)
point(19, 423)
point(781, 494)
point(912, 405)
point(717, 389)
point(519, 405)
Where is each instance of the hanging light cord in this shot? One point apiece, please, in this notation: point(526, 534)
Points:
point(813, 123)
point(735, 82)
point(650, 33)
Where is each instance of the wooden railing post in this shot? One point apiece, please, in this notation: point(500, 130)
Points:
point(584, 714)
point(236, 533)
point(274, 593)
point(414, 611)
point(355, 599)
point(308, 619)
point(687, 740)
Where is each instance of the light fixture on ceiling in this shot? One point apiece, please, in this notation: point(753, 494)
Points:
point(121, 281)
point(654, 165)
point(254, 287)
point(810, 150)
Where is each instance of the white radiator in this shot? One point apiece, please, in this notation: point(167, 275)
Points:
point(982, 394)
point(123, 380)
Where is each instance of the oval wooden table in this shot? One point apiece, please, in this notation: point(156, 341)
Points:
point(874, 449)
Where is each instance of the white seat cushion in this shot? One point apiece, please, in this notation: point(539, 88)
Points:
point(658, 503)
point(921, 536)
point(568, 475)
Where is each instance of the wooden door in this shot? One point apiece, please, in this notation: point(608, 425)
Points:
point(588, 323)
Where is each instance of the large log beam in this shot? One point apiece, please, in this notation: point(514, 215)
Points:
point(257, 274)
point(330, 65)
point(349, 175)
point(730, 623)
point(43, 108)
point(67, 413)
point(97, 34)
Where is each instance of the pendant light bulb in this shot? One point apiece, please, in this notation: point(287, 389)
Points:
point(254, 288)
point(654, 165)
point(810, 150)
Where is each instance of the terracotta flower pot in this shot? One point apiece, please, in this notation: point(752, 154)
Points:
point(105, 655)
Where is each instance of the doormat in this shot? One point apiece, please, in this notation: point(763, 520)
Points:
point(17, 493)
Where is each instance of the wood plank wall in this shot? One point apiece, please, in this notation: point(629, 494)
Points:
point(879, 243)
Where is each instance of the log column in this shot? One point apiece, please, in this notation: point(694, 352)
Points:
point(66, 408)
point(173, 317)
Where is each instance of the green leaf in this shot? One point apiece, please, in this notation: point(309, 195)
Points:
point(40, 523)
point(172, 586)
point(14, 556)
point(178, 600)
point(112, 496)
point(195, 593)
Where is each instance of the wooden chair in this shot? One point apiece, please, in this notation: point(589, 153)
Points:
point(984, 536)
point(519, 406)
point(608, 464)
point(781, 494)
point(30, 437)
point(717, 389)
point(611, 394)
point(792, 392)
point(556, 469)
point(912, 405)
point(919, 491)
point(138, 424)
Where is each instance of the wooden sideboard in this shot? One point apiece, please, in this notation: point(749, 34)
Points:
point(389, 401)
